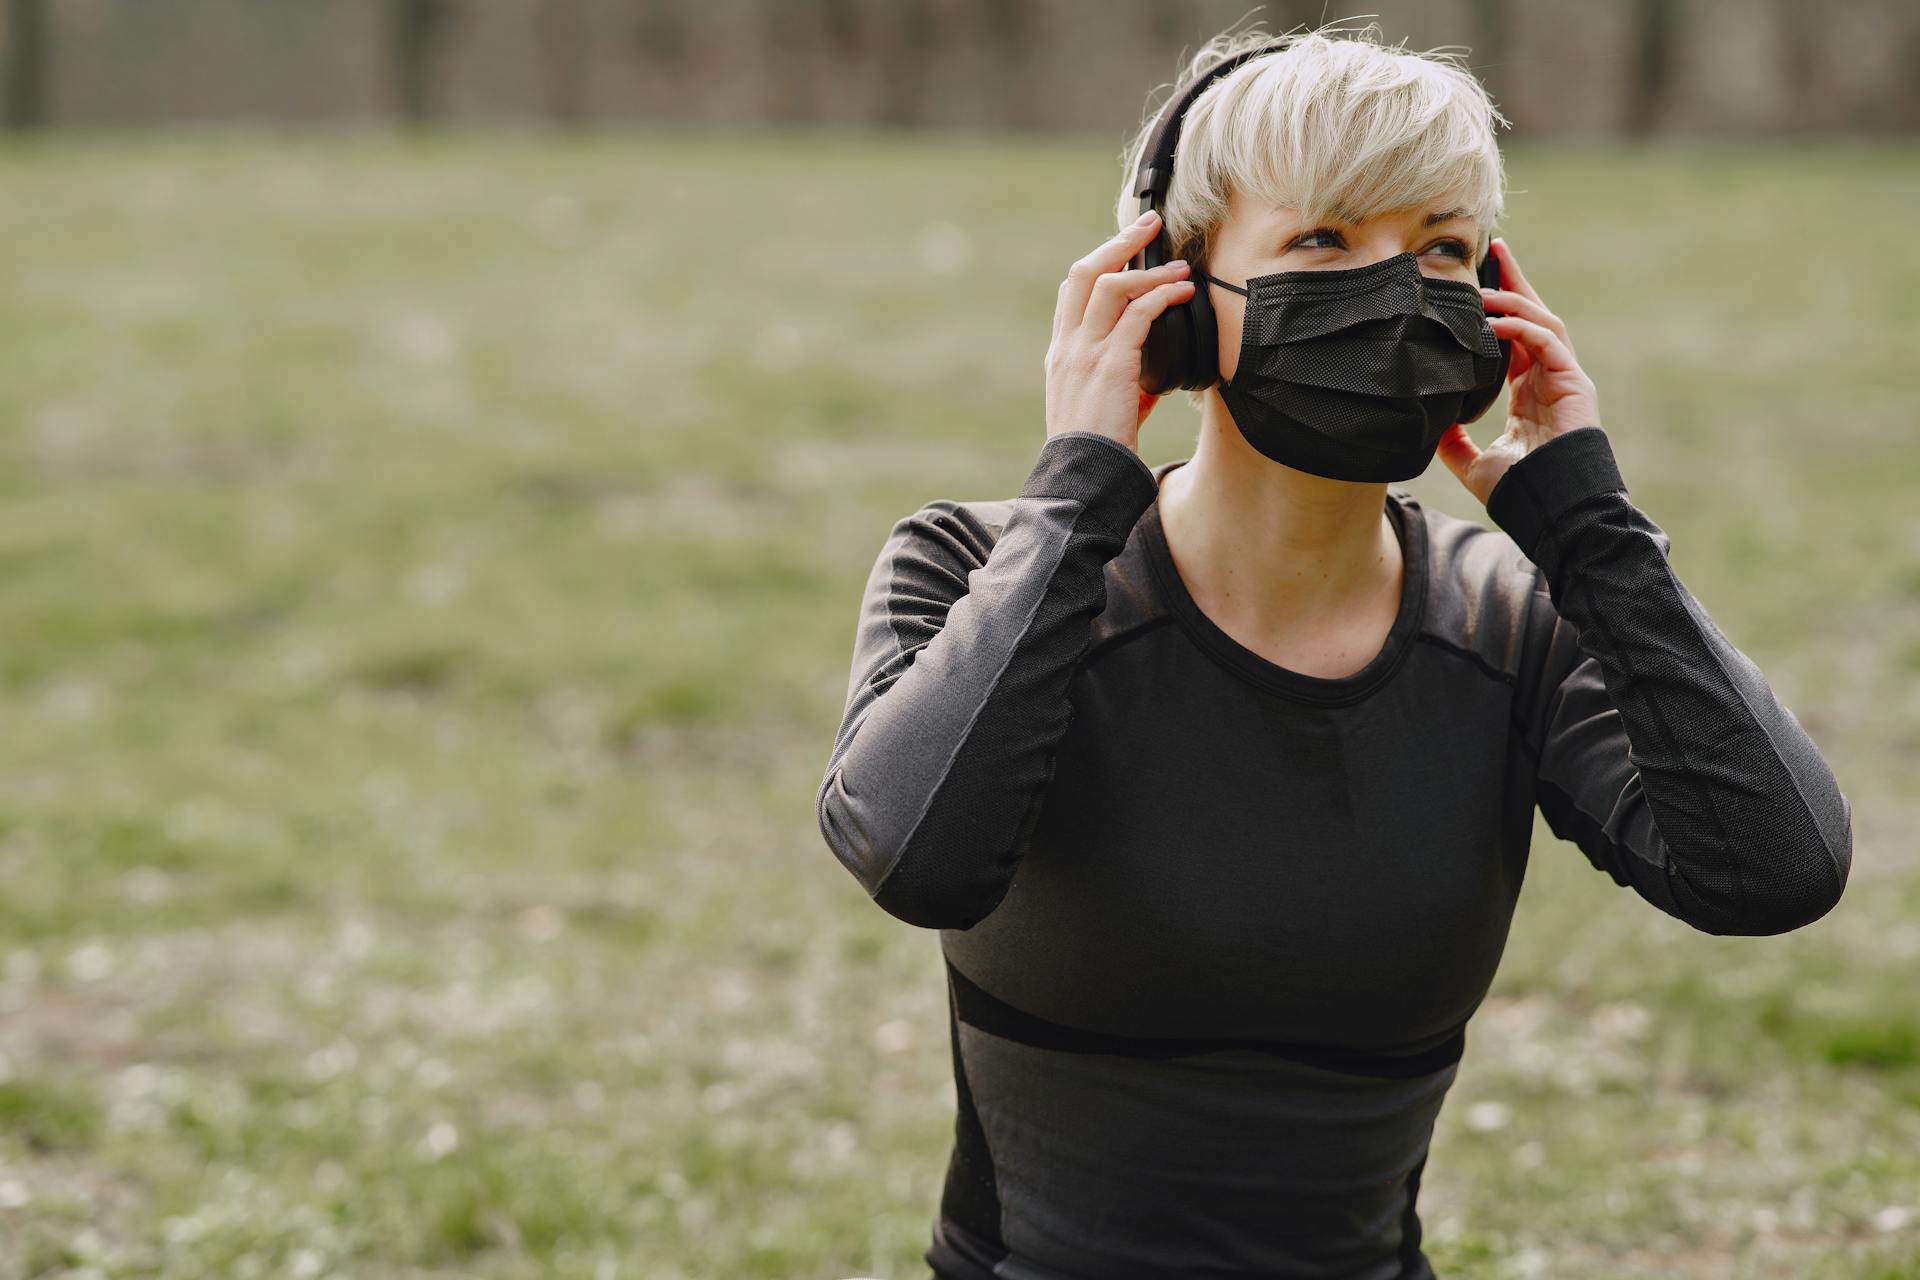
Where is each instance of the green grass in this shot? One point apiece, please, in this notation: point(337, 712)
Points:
point(429, 573)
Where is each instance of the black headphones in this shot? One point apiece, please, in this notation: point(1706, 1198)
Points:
point(1182, 345)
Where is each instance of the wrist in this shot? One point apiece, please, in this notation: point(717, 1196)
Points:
point(1551, 479)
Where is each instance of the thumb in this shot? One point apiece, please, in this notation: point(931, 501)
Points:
point(1458, 451)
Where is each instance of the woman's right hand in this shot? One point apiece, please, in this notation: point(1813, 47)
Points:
point(1104, 312)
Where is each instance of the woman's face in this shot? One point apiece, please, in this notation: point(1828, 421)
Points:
point(1256, 241)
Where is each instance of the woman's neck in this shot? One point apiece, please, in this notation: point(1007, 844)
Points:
point(1269, 546)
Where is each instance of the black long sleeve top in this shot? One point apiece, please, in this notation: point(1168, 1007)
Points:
point(1213, 928)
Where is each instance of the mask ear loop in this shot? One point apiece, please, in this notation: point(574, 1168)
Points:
point(1224, 285)
point(1206, 275)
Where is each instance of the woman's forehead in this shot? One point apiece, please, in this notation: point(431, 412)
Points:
point(1431, 213)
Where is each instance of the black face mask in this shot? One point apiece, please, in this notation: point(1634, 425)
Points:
point(1355, 374)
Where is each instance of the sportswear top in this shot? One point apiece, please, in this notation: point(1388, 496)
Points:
point(1213, 928)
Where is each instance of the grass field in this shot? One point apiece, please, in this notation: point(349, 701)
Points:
point(429, 573)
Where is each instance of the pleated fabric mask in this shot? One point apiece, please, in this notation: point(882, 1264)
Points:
point(1356, 373)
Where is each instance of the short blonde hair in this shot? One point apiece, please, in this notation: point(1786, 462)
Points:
point(1338, 128)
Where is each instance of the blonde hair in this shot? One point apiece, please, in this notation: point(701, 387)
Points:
point(1339, 129)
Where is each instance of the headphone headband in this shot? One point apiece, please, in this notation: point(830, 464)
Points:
point(1155, 172)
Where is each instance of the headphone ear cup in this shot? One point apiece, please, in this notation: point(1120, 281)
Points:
point(1159, 356)
point(1203, 362)
point(1182, 343)
point(1189, 345)
point(1473, 409)
point(1155, 358)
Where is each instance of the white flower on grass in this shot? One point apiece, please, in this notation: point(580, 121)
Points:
point(335, 1059)
point(894, 1036)
point(1528, 1264)
point(842, 1140)
point(542, 923)
point(441, 1139)
point(1622, 1019)
point(943, 248)
point(89, 963)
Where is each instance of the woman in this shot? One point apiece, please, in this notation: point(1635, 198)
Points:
point(1218, 776)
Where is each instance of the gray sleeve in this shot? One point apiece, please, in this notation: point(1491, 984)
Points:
point(1662, 751)
point(967, 639)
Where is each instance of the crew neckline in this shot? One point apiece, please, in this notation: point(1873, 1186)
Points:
point(1408, 525)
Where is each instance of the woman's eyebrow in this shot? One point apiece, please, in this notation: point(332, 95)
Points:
point(1445, 215)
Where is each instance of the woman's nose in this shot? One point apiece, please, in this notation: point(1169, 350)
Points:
point(1368, 254)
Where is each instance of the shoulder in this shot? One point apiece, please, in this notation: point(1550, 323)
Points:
point(926, 561)
point(955, 532)
point(1484, 595)
point(1079, 479)
point(932, 551)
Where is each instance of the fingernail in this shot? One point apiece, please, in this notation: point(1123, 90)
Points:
point(1144, 218)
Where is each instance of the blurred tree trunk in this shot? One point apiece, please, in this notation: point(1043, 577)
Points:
point(659, 32)
point(905, 62)
point(1906, 107)
point(1653, 24)
point(840, 24)
point(1795, 23)
point(416, 30)
point(1167, 25)
point(562, 34)
point(26, 104)
point(787, 29)
point(1488, 57)
point(1008, 28)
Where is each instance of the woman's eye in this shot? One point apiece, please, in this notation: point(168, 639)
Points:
point(1452, 248)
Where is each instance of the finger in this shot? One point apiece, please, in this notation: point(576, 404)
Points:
point(1540, 342)
point(1131, 329)
point(1114, 290)
point(1511, 277)
point(1519, 304)
point(1111, 256)
point(1147, 401)
point(1518, 361)
point(1458, 451)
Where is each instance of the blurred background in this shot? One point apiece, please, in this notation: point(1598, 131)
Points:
point(442, 444)
point(1558, 67)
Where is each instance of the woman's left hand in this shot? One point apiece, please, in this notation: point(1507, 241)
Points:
point(1548, 393)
